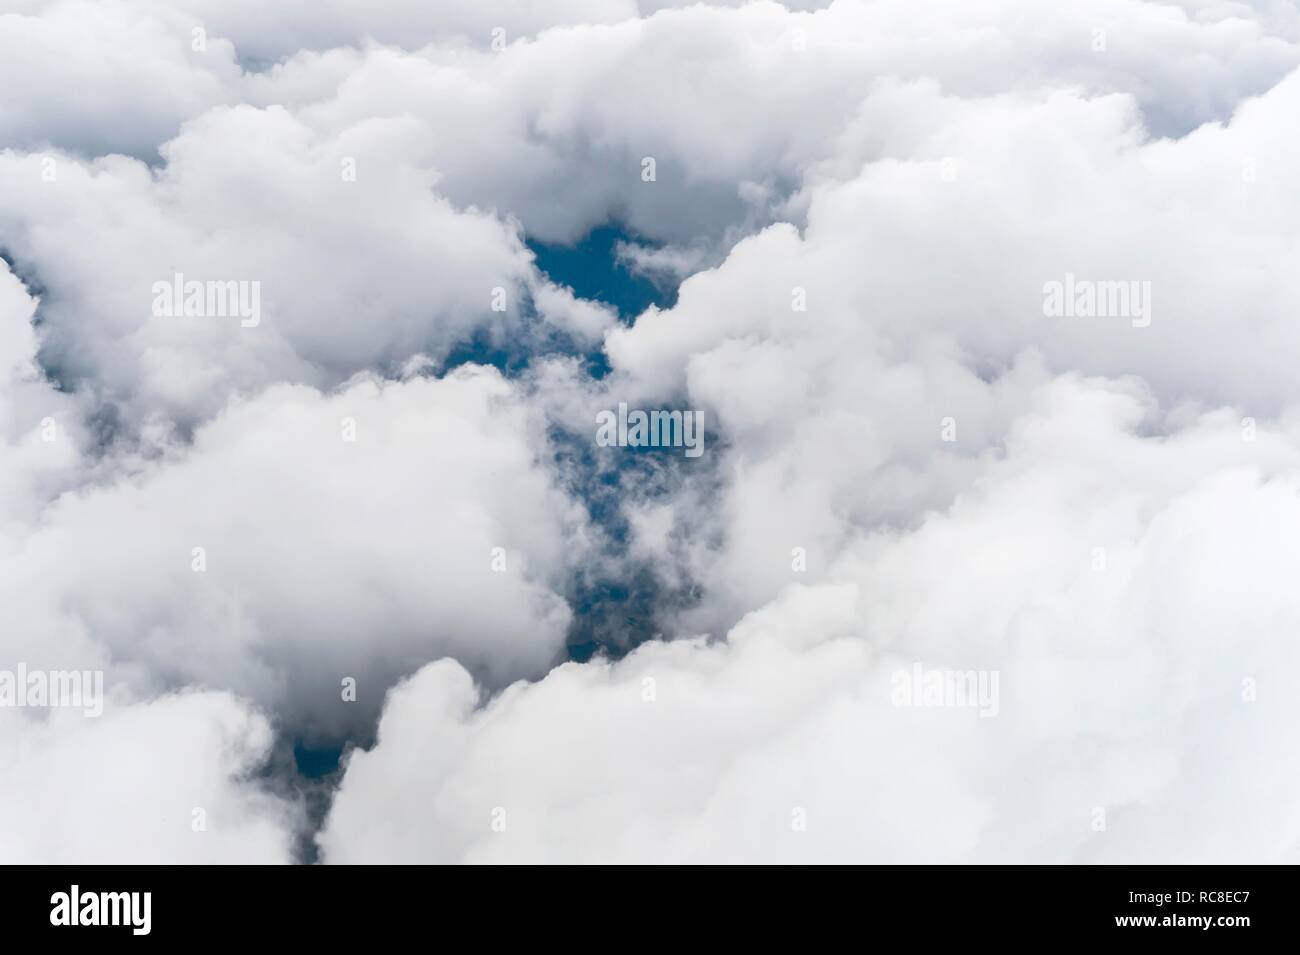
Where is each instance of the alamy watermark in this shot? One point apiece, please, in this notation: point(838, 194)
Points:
point(1085, 298)
point(651, 429)
point(83, 689)
point(75, 907)
point(230, 298)
point(918, 686)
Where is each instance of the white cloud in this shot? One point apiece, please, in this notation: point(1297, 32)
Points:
point(915, 171)
point(40, 429)
point(105, 75)
point(323, 558)
point(352, 274)
point(1121, 689)
point(168, 781)
point(923, 296)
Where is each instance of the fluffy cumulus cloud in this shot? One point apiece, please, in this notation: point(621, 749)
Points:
point(34, 416)
point(169, 779)
point(982, 305)
point(428, 528)
point(1129, 594)
point(321, 275)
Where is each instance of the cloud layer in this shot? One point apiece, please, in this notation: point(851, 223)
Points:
point(911, 463)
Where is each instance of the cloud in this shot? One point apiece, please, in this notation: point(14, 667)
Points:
point(910, 460)
point(352, 275)
point(304, 539)
point(1127, 690)
point(828, 360)
point(40, 428)
point(109, 76)
point(552, 137)
point(925, 294)
point(557, 129)
point(172, 780)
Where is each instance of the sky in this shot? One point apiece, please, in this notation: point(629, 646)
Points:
point(984, 309)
